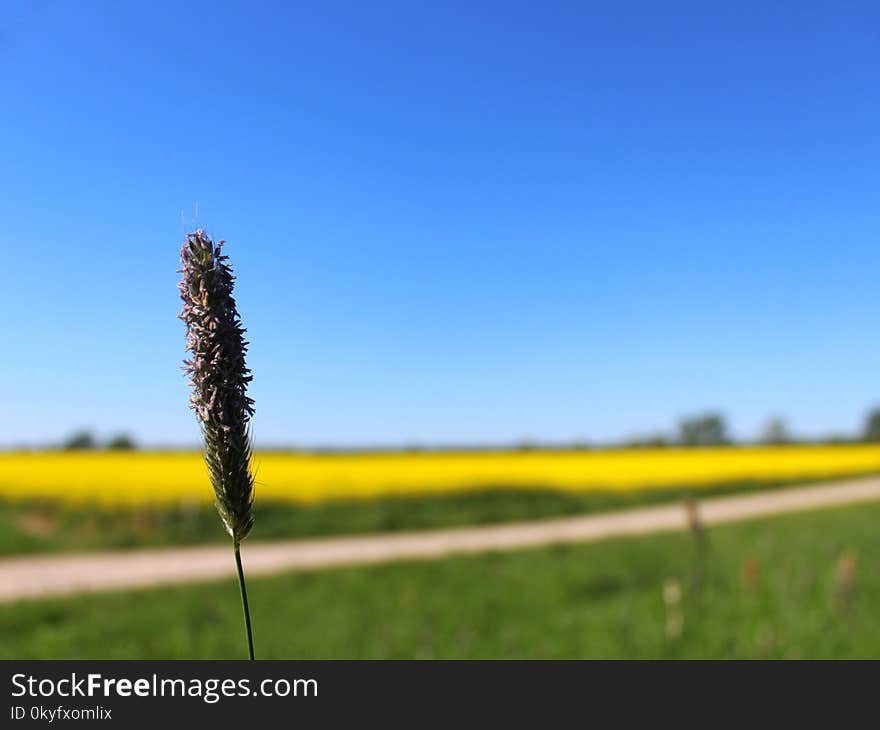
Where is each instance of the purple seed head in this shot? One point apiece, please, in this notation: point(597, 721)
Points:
point(219, 377)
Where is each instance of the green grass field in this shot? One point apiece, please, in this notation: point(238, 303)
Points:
point(30, 527)
point(771, 588)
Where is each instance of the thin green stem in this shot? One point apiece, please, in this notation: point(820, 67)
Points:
point(244, 600)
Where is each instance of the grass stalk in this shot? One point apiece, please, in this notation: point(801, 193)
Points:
point(219, 378)
point(244, 599)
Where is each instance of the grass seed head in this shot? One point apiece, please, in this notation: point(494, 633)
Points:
point(219, 377)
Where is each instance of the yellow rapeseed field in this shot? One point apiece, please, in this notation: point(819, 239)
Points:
point(145, 477)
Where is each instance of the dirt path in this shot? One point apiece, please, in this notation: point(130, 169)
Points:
point(38, 576)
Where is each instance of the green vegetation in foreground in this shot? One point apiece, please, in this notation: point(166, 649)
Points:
point(772, 588)
point(30, 527)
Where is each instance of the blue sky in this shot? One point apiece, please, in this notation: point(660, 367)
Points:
point(451, 222)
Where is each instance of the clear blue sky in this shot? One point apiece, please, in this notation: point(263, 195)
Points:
point(451, 222)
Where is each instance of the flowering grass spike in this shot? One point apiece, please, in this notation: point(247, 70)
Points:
point(219, 379)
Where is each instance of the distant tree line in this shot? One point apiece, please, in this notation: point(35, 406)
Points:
point(85, 440)
point(872, 426)
point(703, 429)
point(711, 429)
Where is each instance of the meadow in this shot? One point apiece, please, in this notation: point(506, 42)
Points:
point(800, 586)
point(57, 501)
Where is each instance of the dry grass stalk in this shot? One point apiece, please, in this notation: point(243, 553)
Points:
point(750, 572)
point(845, 575)
point(672, 595)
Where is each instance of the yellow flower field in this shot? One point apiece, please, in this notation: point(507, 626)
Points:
point(139, 478)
